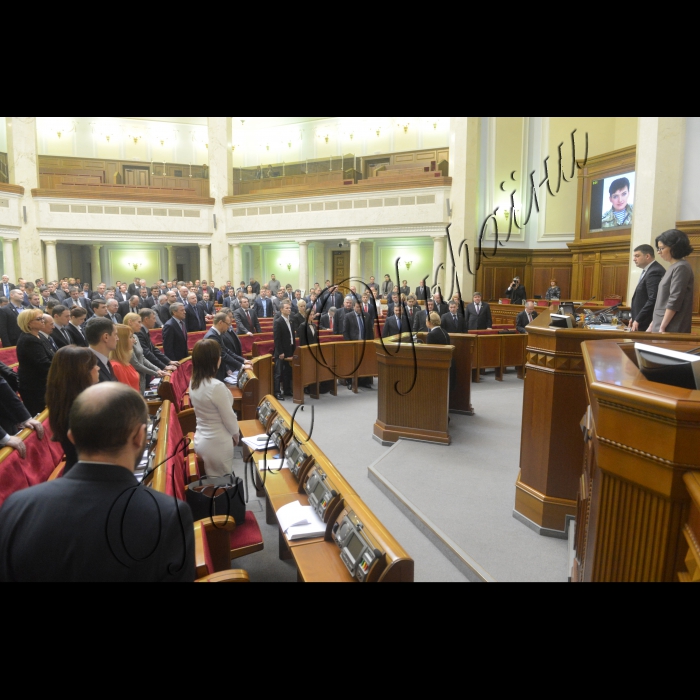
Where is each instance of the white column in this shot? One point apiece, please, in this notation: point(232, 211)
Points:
point(237, 254)
point(8, 253)
point(660, 164)
point(204, 272)
point(51, 261)
point(172, 262)
point(220, 186)
point(355, 264)
point(24, 171)
point(303, 266)
point(439, 258)
point(464, 170)
point(96, 266)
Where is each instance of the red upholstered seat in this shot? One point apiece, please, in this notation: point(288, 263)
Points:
point(506, 302)
point(8, 356)
point(247, 538)
point(542, 302)
point(262, 348)
point(157, 336)
point(43, 456)
point(194, 338)
point(176, 465)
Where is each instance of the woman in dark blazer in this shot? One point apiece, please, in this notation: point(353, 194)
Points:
point(674, 301)
point(35, 357)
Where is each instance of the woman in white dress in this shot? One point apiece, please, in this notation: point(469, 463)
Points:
point(217, 426)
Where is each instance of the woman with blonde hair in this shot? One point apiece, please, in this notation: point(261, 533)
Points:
point(145, 368)
point(35, 357)
point(121, 359)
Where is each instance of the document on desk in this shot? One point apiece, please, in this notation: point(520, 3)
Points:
point(273, 465)
point(259, 443)
point(300, 522)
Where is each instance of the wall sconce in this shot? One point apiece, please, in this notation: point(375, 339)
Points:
point(61, 129)
point(434, 122)
point(135, 265)
point(405, 127)
point(104, 132)
point(325, 136)
point(409, 265)
point(136, 138)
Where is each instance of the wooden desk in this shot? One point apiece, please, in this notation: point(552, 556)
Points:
point(421, 413)
point(642, 440)
point(552, 451)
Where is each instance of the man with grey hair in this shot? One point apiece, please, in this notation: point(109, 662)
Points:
point(161, 311)
point(347, 310)
point(9, 330)
point(113, 312)
point(6, 287)
point(196, 317)
point(45, 335)
point(175, 340)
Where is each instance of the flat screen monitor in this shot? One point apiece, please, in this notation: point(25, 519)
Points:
point(612, 202)
point(567, 309)
point(668, 366)
point(559, 321)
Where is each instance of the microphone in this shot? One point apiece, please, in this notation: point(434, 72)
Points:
point(580, 308)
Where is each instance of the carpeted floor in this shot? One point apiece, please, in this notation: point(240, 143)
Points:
point(467, 489)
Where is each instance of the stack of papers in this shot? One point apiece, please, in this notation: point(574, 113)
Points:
point(300, 523)
point(232, 380)
point(259, 443)
point(274, 465)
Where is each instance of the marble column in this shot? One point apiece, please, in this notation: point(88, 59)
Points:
point(96, 266)
point(220, 186)
point(22, 153)
point(440, 258)
point(465, 134)
point(355, 263)
point(172, 263)
point(51, 261)
point(660, 165)
point(237, 256)
point(303, 266)
point(204, 272)
point(8, 257)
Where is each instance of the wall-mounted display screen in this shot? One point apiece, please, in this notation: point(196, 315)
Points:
point(612, 202)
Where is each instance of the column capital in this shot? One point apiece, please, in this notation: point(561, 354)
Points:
point(50, 243)
point(204, 245)
point(354, 241)
point(97, 247)
point(235, 245)
point(439, 239)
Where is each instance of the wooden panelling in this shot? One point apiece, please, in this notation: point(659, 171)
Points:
point(12, 189)
point(536, 268)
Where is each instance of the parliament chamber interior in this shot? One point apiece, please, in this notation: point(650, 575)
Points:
point(350, 349)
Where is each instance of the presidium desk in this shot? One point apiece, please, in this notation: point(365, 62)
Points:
point(556, 399)
point(635, 520)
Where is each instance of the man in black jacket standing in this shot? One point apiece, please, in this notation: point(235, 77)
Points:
point(9, 330)
point(525, 318)
point(175, 344)
point(97, 524)
point(516, 292)
point(453, 322)
point(479, 317)
point(150, 351)
point(644, 300)
point(230, 362)
point(285, 346)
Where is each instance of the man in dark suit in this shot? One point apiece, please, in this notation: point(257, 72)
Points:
point(133, 306)
point(150, 351)
point(9, 330)
point(75, 327)
point(61, 320)
point(516, 292)
point(357, 326)
point(405, 289)
point(207, 305)
point(246, 320)
point(525, 318)
point(422, 293)
point(453, 322)
point(412, 309)
point(332, 298)
point(232, 301)
point(285, 346)
point(329, 321)
point(346, 310)
point(6, 287)
point(644, 300)
point(394, 301)
point(230, 362)
point(255, 285)
point(175, 334)
point(231, 339)
point(420, 324)
point(479, 316)
point(122, 294)
point(102, 337)
point(134, 287)
point(100, 293)
point(46, 335)
point(162, 310)
point(396, 324)
point(264, 307)
point(195, 317)
point(96, 524)
point(114, 311)
point(441, 308)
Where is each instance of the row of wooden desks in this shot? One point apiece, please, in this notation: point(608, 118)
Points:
point(318, 559)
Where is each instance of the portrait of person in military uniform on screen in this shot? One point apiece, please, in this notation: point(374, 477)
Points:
point(622, 211)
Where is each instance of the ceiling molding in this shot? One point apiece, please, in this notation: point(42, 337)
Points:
point(165, 238)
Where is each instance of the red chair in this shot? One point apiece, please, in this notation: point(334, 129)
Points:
point(194, 338)
point(505, 302)
point(8, 356)
point(157, 336)
point(542, 302)
point(612, 300)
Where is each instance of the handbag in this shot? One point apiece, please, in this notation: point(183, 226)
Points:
point(218, 496)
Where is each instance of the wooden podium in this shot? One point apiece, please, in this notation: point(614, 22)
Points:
point(641, 448)
point(423, 413)
point(552, 451)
